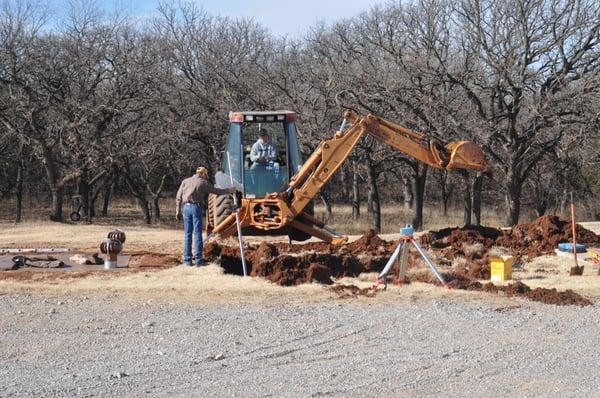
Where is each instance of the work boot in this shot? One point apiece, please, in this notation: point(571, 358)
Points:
point(200, 263)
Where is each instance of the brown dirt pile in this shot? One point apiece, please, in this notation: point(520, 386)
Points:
point(289, 265)
point(517, 289)
point(543, 235)
point(471, 242)
point(370, 243)
point(532, 239)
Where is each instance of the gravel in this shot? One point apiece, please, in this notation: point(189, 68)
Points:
point(108, 346)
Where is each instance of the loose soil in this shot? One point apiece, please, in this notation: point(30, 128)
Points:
point(531, 239)
point(289, 265)
point(517, 289)
point(543, 235)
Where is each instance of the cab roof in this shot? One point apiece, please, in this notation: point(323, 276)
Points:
point(262, 116)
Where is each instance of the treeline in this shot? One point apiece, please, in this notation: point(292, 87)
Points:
point(105, 105)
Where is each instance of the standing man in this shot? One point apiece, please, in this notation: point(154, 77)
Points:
point(263, 151)
point(193, 193)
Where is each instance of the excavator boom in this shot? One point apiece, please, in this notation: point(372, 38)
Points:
point(332, 153)
point(281, 209)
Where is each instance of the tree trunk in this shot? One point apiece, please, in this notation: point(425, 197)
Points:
point(19, 189)
point(156, 205)
point(145, 206)
point(57, 203)
point(468, 205)
point(445, 191)
point(477, 188)
point(109, 189)
point(467, 199)
point(93, 200)
point(408, 194)
point(344, 181)
point(419, 179)
point(326, 202)
point(83, 189)
point(375, 206)
point(355, 192)
point(56, 189)
point(513, 200)
point(542, 199)
point(156, 195)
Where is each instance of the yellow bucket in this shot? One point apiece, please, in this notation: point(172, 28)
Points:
point(501, 268)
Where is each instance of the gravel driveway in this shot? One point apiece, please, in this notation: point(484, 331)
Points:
point(108, 346)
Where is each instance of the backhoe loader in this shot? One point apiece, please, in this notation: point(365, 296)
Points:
point(275, 197)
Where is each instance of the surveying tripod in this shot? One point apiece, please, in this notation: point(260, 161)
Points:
point(406, 238)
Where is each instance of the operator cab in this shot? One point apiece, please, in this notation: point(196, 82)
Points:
point(269, 167)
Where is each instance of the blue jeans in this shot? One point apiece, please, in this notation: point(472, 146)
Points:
point(192, 223)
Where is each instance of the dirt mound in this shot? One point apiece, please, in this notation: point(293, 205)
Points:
point(517, 289)
point(479, 271)
point(213, 250)
point(552, 296)
point(457, 237)
point(369, 243)
point(543, 235)
point(319, 273)
point(471, 243)
point(532, 239)
point(264, 252)
point(294, 269)
point(320, 247)
point(289, 265)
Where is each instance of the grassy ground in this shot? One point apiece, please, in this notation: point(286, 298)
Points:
point(393, 216)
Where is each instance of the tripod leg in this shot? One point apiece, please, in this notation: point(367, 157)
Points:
point(429, 263)
point(403, 260)
point(391, 261)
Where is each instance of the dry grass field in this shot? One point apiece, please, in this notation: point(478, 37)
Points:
point(125, 212)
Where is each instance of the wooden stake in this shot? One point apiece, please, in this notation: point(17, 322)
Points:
point(574, 230)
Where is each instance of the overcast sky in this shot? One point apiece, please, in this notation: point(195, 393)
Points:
point(280, 16)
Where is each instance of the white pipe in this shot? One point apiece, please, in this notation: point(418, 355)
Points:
point(237, 220)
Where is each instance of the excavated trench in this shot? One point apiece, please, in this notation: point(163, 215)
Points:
point(464, 252)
